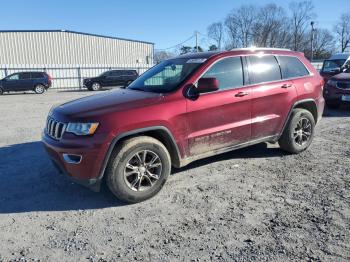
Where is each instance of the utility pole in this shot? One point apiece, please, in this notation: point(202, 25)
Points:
point(196, 41)
point(312, 40)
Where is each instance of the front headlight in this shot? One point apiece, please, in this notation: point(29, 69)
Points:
point(332, 83)
point(82, 129)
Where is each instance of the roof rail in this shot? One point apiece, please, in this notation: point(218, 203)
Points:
point(259, 49)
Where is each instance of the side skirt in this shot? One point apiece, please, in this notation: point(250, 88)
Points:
point(186, 161)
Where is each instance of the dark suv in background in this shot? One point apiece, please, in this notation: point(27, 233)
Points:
point(111, 78)
point(337, 90)
point(38, 82)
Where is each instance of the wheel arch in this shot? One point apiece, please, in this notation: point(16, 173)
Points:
point(307, 104)
point(160, 133)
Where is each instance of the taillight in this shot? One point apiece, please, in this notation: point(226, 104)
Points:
point(49, 77)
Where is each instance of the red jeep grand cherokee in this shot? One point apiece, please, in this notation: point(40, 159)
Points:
point(183, 109)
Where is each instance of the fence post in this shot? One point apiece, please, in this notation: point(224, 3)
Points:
point(79, 77)
point(6, 73)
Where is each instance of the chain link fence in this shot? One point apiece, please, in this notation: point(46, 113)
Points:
point(69, 77)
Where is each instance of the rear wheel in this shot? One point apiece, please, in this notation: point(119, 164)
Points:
point(95, 86)
point(138, 169)
point(39, 89)
point(299, 132)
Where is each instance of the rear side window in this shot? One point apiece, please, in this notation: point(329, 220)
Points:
point(23, 76)
point(228, 72)
point(291, 67)
point(263, 69)
point(37, 75)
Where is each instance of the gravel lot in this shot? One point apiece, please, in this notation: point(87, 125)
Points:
point(254, 204)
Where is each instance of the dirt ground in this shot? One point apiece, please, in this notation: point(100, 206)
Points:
point(254, 204)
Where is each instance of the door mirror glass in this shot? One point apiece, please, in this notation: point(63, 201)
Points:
point(206, 85)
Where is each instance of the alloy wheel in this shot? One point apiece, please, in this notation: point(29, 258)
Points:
point(143, 170)
point(302, 132)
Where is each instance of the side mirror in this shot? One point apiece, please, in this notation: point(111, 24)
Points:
point(206, 85)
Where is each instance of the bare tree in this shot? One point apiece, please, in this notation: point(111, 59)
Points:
point(270, 28)
point(342, 30)
point(239, 24)
point(216, 32)
point(301, 15)
point(159, 56)
point(323, 44)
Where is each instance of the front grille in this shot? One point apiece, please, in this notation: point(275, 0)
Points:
point(54, 128)
point(344, 85)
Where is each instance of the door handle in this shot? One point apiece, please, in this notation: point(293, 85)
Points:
point(240, 94)
point(286, 85)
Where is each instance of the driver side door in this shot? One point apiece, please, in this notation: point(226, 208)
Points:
point(220, 119)
point(11, 83)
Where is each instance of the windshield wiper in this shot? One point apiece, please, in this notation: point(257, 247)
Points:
point(136, 88)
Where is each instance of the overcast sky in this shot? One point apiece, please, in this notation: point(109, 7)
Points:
point(163, 22)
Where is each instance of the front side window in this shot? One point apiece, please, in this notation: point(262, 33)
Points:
point(228, 72)
point(167, 75)
point(115, 73)
point(291, 67)
point(13, 77)
point(263, 69)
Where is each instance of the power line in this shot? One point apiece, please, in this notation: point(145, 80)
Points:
point(188, 39)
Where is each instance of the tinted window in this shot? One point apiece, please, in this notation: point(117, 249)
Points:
point(291, 67)
point(13, 77)
point(129, 73)
point(115, 73)
point(24, 76)
point(228, 72)
point(330, 65)
point(37, 75)
point(263, 69)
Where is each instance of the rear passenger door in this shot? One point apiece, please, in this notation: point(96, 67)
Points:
point(25, 82)
point(271, 96)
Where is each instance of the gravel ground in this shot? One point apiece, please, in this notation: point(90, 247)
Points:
point(254, 204)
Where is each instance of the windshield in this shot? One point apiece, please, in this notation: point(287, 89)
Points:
point(330, 65)
point(167, 75)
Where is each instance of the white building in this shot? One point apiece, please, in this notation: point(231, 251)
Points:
point(69, 56)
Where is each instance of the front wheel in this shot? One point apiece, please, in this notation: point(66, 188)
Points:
point(138, 169)
point(39, 89)
point(1, 91)
point(95, 86)
point(299, 131)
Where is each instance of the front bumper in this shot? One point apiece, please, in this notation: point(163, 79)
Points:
point(88, 171)
point(335, 94)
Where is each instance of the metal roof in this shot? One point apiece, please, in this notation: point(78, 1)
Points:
point(73, 32)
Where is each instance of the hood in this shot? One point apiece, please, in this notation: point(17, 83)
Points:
point(342, 77)
point(107, 102)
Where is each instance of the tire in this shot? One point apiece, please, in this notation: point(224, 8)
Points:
point(95, 86)
point(299, 131)
point(39, 89)
point(1, 91)
point(129, 178)
point(333, 105)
